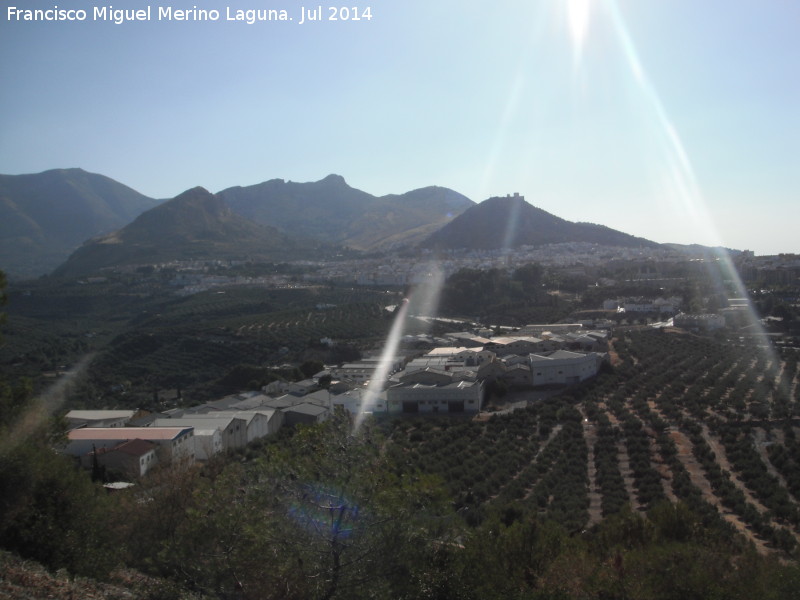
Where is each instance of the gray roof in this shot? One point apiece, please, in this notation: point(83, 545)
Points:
point(252, 402)
point(223, 403)
point(320, 398)
point(284, 401)
point(99, 415)
point(200, 421)
point(559, 355)
point(246, 415)
point(147, 420)
point(518, 367)
point(306, 409)
point(305, 383)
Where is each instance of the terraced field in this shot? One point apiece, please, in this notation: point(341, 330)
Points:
point(677, 418)
point(149, 339)
point(191, 342)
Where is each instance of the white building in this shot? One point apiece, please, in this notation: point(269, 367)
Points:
point(647, 305)
point(258, 423)
point(233, 430)
point(697, 322)
point(175, 442)
point(358, 400)
point(453, 397)
point(539, 330)
point(207, 442)
point(518, 375)
point(133, 458)
point(301, 388)
point(563, 367)
point(99, 418)
point(358, 372)
point(305, 414)
point(591, 341)
point(276, 387)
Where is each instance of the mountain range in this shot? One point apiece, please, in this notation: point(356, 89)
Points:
point(196, 225)
point(332, 211)
point(510, 222)
point(45, 216)
point(88, 221)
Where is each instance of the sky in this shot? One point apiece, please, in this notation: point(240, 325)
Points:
point(673, 120)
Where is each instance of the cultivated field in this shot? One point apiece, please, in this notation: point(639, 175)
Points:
point(678, 417)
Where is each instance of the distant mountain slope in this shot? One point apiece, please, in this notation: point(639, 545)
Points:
point(509, 222)
point(332, 211)
point(406, 219)
point(195, 225)
point(45, 216)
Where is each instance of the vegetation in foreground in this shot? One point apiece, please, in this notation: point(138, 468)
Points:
point(325, 513)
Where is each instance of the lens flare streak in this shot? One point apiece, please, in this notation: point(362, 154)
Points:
point(681, 173)
point(423, 300)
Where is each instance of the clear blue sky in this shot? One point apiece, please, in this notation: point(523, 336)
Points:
point(675, 120)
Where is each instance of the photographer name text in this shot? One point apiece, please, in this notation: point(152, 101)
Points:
point(250, 16)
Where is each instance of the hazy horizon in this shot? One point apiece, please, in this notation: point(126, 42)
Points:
point(676, 122)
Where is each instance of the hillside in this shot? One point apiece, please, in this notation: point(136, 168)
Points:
point(509, 222)
point(332, 211)
point(45, 216)
point(654, 467)
point(195, 225)
point(682, 455)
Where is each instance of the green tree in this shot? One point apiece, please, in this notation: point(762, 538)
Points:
point(530, 276)
point(51, 512)
point(3, 295)
point(320, 517)
point(506, 561)
point(311, 367)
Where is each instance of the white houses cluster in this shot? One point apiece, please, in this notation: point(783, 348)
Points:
point(452, 379)
point(448, 379)
point(130, 450)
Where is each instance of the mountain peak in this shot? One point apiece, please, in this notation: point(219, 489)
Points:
point(334, 179)
point(197, 191)
point(510, 221)
point(194, 225)
point(196, 207)
point(508, 198)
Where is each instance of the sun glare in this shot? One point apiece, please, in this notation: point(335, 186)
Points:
point(578, 15)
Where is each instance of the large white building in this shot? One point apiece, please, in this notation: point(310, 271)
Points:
point(455, 397)
point(434, 391)
point(99, 418)
point(233, 430)
point(259, 422)
point(175, 443)
point(133, 458)
point(563, 367)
